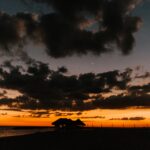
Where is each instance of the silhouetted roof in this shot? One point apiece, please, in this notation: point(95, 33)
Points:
point(66, 121)
point(79, 122)
point(62, 121)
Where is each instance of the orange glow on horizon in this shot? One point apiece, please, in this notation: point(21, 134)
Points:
point(93, 118)
point(89, 123)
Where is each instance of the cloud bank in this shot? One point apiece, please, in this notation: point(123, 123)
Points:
point(43, 88)
point(71, 27)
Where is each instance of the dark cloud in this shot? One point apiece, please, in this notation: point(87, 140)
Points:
point(11, 109)
point(14, 32)
point(9, 31)
point(3, 114)
point(115, 102)
point(139, 89)
point(79, 113)
point(62, 70)
point(6, 101)
point(57, 114)
point(124, 118)
point(122, 102)
point(129, 118)
point(136, 118)
point(18, 116)
point(65, 32)
point(3, 93)
point(44, 88)
point(38, 114)
point(93, 117)
point(63, 36)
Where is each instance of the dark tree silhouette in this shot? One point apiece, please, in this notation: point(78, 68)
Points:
point(68, 123)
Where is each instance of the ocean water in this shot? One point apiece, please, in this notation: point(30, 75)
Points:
point(7, 132)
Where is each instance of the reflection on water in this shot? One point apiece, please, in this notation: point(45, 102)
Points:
point(6, 132)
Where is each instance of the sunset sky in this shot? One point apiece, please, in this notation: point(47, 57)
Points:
point(86, 59)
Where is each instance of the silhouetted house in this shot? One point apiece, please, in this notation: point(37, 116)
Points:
point(67, 123)
point(79, 123)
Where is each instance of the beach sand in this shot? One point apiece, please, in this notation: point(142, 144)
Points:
point(81, 139)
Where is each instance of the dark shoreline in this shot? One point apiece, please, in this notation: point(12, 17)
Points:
point(81, 139)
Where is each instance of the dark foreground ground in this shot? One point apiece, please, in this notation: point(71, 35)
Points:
point(83, 139)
